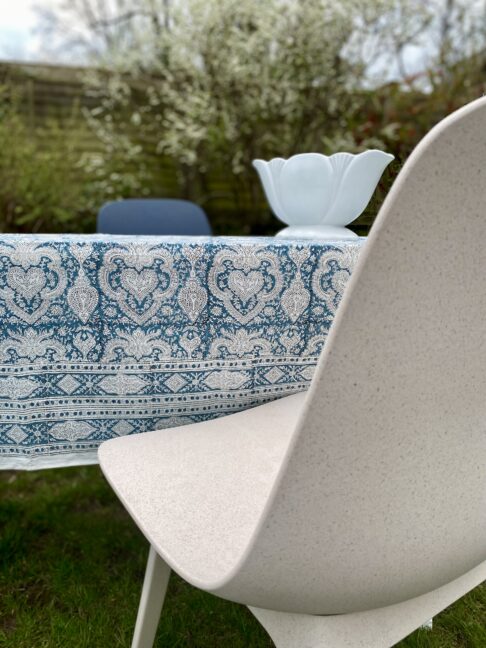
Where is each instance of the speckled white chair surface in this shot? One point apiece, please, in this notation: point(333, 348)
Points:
point(350, 515)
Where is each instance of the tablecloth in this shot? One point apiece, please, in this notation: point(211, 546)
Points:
point(102, 336)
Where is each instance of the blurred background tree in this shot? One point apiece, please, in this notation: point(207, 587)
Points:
point(213, 85)
point(185, 93)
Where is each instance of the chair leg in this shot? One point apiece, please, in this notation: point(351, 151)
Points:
point(153, 594)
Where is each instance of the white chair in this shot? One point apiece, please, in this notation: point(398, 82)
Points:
point(350, 515)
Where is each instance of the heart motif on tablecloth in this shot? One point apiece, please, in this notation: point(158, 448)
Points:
point(26, 282)
point(139, 283)
point(245, 285)
point(140, 277)
point(245, 280)
point(34, 279)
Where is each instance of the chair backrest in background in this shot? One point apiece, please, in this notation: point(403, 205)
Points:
point(150, 216)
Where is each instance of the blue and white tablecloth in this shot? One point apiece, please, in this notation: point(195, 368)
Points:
point(103, 336)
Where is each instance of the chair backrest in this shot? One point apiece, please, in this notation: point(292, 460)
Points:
point(382, 496)
point(154, 217)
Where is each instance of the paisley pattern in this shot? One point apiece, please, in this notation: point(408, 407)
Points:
point(103, 336)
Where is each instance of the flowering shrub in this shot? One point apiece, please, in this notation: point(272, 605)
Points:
point(228, 82)
point(188, 92)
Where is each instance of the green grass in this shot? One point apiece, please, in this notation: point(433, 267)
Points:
point(72, 564)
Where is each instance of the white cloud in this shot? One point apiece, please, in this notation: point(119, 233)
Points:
point(16, 14)
point(17, 20)
point(20, 37)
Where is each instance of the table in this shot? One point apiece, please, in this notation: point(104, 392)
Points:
point(103, 336)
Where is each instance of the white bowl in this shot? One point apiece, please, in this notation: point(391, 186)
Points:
point(317, 195)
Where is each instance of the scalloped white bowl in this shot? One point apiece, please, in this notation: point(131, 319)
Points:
point(318, 195)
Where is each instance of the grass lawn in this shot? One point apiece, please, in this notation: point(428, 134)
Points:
point(72, 564)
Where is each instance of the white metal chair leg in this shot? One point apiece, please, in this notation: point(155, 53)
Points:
point(151, 601)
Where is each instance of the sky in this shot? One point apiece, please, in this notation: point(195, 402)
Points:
point(21, 40)
point(17, 38)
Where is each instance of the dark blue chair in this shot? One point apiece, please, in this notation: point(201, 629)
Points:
point(153, 216)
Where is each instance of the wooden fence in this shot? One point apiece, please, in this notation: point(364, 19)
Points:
point(53, 92)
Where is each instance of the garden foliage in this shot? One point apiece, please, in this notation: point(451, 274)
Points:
point(42, 187)
point(202, 88)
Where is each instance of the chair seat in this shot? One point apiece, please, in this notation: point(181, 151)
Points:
point(197, 491)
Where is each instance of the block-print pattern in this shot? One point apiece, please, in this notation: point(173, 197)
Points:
point(105, 336)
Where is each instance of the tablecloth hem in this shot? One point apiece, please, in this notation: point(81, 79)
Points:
point(54, 461)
